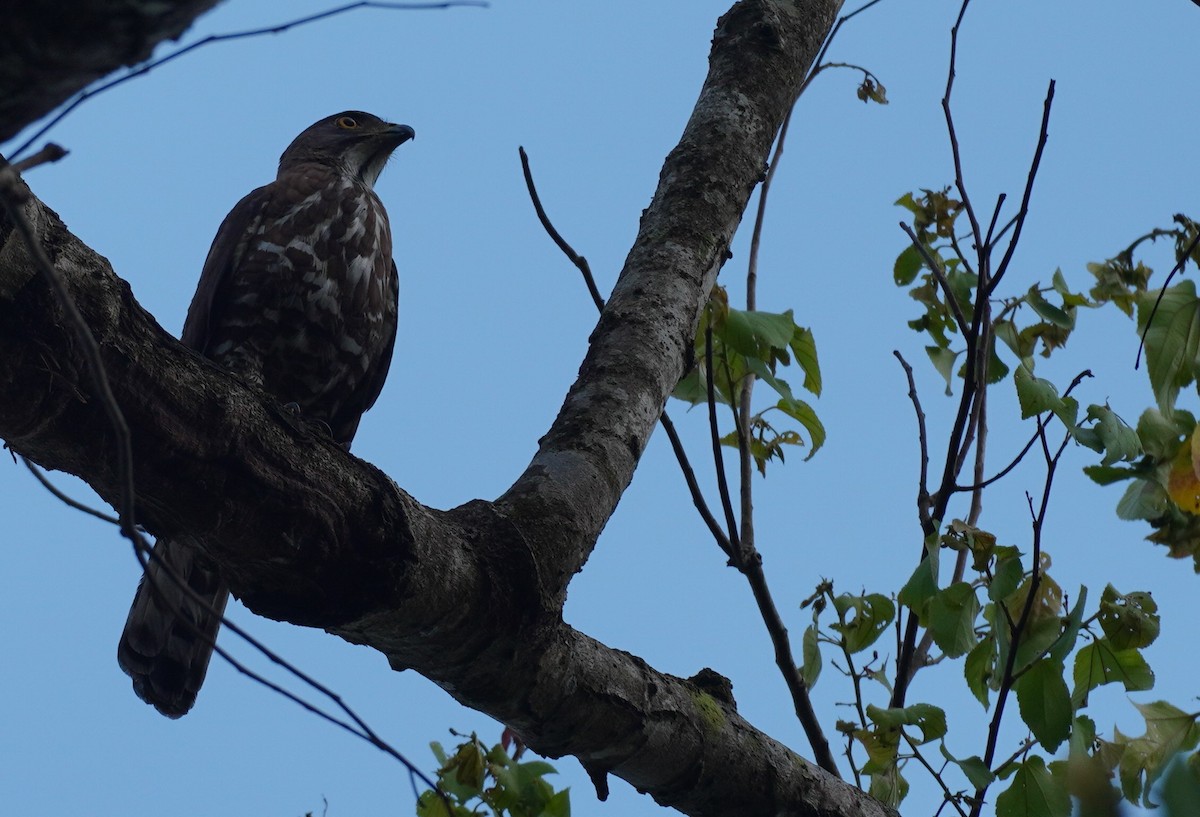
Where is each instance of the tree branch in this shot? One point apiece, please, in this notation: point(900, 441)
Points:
point(471, 598)
point(49, 51)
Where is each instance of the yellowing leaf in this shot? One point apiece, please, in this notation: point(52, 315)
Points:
point(1183, 483)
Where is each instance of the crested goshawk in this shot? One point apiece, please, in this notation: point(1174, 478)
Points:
point(298, 296)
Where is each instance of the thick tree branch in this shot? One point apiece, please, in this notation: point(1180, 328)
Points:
point(49, 51)
point(471, 597)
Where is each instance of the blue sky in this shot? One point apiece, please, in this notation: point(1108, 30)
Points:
point(494, 323)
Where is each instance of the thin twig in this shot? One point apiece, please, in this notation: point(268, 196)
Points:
point(578, 260)
point(959, 183)
point(818, 64)
point(581, 264)
point(50, 152)
point(948, 795)
point(1175, 270)
point(355, 726)
point(801, 701)
point(935, 268)
point(922, 439)
point(987, 240)
point(689, 476)
point(147, 67)
point(41, 477)
point(1042, 419)
point(718, 457)
point(1022, 748)
point(1023, 212)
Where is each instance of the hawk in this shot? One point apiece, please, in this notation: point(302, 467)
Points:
point(298, 296)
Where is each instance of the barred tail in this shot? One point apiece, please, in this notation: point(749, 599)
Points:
point(168, 637)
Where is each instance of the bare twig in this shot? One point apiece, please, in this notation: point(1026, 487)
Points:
point(1175, 270)
point(987, 240)
point(689, 476)
point(1042, 419)
point(949, 796)
point(147, 67)
point(50, 152)
point(575, 258)
point(1023, 212)
point(41, 477)
point(819, 63)
point(718, 457)
point(922, 439)
point(958, 174)
point(581, 264)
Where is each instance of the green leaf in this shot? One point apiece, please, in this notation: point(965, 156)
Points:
point(804, 349)
point(872, 615)
point(1066, 640)
point(1033, 793)
point(692, 388)
point(908, 264)
point(1099, 663)
point(1047, 311)
point(1109, 474)
point(1172, 340)
point(872, 90)
point(1069, 298)
point(952, 614)
point(943, 361)
point(1161, 437)
point(1040, 634)
point(559, 805)
point(1007, 574)
point(920, 588)
point(810, 652)
point(1045, 703)
point(997, 369)
point(888, 786)
point(1037, 395)
point(754, 333)
point(804, 414)
point(908, 203)
point(980, 667)
point(1169, 730)
point(1110, 435)
point(881, 746)
point(1181, 789)
point(1143, 499)
point(931, 720)
point(977, 773)
point(1129, 621)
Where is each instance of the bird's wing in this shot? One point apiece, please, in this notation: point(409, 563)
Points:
point(380, 370)
point(224, 255)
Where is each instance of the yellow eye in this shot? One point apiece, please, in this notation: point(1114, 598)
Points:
point(346, 123)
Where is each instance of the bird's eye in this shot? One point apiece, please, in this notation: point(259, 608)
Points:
point(346, 123)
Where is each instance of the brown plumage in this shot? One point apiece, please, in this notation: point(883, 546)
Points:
point(298, 296)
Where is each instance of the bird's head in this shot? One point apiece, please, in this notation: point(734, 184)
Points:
point(354, 142)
